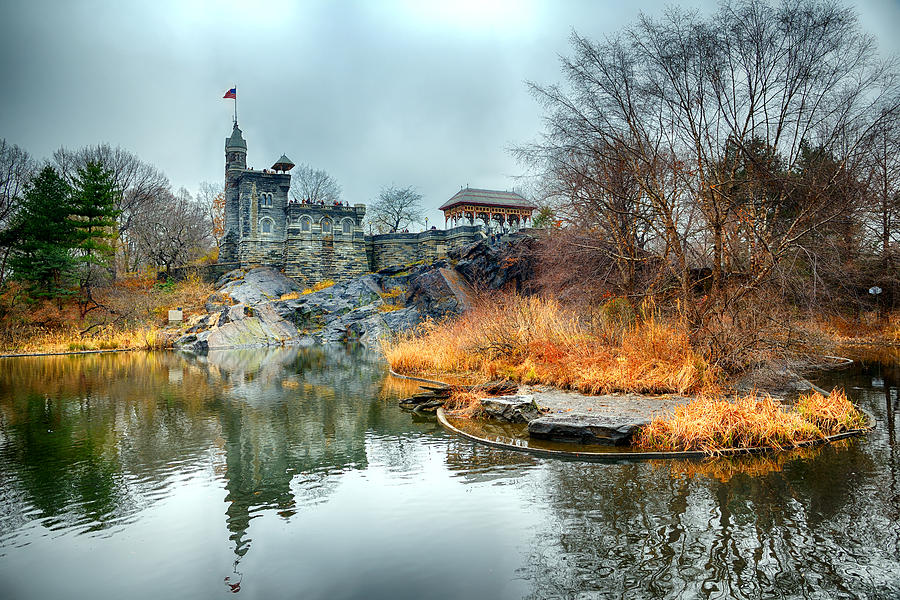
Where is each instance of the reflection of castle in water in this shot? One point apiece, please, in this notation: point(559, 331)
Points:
point(95, 436)
point(290, 419)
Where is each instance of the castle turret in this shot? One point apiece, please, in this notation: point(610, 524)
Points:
point(235, 151)
point(235, 164)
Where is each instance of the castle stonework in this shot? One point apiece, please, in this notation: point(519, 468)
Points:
point(312, 242)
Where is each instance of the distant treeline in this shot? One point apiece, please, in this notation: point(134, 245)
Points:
point(90, 215)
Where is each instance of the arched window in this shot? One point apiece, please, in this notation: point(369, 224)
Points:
point(347, 226)
point(304, 224)
point(326, 225)
point(266, 225)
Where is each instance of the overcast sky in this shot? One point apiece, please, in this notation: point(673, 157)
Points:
point(429, 94)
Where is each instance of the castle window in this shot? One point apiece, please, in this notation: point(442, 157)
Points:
point(347, 226)
point(304, 223)
point(326, 225)
point(266, 225)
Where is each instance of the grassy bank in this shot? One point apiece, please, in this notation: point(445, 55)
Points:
point(130, 313)
point(537, 341)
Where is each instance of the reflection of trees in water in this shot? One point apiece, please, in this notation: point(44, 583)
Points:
point(89, 441)
point(631, 531)
point(478, 463)
point(818, 524)
point(85, 438)
point(93, 439)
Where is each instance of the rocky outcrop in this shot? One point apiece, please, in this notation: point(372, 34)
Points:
point(255, 286)
point(247, 308)
point(608, 430)
point(506, 264)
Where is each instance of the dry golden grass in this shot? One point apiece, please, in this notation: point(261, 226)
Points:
point(464, 403)
point(290, 296)
point(386, 307)
point(832, 414)
point(866, 327)
point(534, 340)
point(318, 287)
point(390, 294)
point(132, 314)
point(712, 424)
point(71, 339)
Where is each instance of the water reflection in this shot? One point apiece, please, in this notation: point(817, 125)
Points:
point(90, 440)
point(820, 523)
point(295, 465)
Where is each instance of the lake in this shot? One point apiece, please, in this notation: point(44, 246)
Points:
point(292, 473)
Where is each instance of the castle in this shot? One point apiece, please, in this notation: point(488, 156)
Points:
point(311, 242)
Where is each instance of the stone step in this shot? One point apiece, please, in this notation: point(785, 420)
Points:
point(586, 429)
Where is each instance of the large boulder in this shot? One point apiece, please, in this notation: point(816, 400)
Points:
point(240, 327)
point(261, 284)
point(438, 293)
point(511, 409)
point(576, 428)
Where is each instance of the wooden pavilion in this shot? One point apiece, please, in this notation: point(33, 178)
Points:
point(505, 209)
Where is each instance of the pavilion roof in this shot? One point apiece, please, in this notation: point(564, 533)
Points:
point(481, 197)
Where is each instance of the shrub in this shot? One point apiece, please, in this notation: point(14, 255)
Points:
point(535, 340)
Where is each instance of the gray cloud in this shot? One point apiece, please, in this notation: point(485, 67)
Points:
point(403, 92)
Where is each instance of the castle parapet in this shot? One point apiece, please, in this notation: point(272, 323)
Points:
point(395, 249)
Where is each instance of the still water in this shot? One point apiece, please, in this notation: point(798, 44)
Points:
point(292, 473)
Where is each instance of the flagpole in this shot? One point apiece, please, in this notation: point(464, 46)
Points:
point(235, 104)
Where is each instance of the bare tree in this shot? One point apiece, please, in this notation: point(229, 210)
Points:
point(16, 170)
point(212, 198)
point(313, 186)
point(139, 183)
point(396, 209)
point(729, 145)
point(172, 230)
point(884, 190)
point(706, 122)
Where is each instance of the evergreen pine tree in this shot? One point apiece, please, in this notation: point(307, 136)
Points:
point(93, 217)
point(44, 235)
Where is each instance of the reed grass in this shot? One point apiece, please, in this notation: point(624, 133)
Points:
point(713, 424)
point(537, 341)
point(72, 339)
point(464, 404)
point(832, 414)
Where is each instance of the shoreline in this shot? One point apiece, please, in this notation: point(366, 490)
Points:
point(557, 401)
point(75, 352)
point(629, 456)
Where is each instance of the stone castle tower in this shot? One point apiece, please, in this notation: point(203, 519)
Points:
point(263, 226)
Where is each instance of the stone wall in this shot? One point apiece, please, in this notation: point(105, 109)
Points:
point(394, 249)
point(324, 242)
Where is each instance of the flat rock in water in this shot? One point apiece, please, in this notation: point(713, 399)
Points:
point(511, 409)
point(586, 429)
